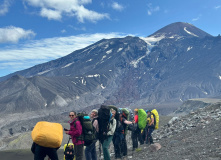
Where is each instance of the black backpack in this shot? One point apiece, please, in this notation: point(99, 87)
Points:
point(88, 130)
point(103, 121)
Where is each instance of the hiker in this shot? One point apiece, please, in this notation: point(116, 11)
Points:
point(76, 132)
point(135, 132)
point(150, 127)
point(41, 152)
point(117, 140)
point(90, 151)
point(124, 123)
point(109, 134)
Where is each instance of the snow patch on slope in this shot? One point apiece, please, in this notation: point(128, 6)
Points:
point(67, 65)
point(190, 32)
point(108, 52)
point(152, 40)
point(40, 73)
point(120, 49)
point(150, 44)
point(135, 62)
point(96, 75)
point(189, 48)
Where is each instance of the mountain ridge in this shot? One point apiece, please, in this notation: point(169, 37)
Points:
point(129, 71)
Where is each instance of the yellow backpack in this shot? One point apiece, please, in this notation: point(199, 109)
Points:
point(156, 120)
point(47, 134)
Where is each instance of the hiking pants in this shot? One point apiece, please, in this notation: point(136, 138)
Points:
point(78, 150)
point(117, 146)
point(134, 137)
point(141, 137)
point(149, 138)
point(90, 152)
point(41, 152)
point(124, 146)
point(105, 147)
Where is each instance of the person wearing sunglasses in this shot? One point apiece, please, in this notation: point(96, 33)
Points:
point(76, 135)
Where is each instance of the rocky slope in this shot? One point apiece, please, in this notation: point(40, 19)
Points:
point(196, 136)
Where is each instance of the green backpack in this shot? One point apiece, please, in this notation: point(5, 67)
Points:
point(142, 119)
point(88, 130)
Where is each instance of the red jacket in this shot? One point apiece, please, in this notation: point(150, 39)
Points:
point(75, 131)
point(136, 118)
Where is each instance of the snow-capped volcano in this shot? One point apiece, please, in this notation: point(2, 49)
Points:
point(180, 30)
point(176, 63)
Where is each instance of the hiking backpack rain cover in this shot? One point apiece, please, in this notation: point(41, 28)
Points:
point(142, 119)
point(88, 130)
point(47, 134)
point(103, 121)
point(156, 118)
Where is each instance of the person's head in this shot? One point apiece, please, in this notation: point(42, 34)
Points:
point(70, 146)
point(148, 112)
point(72, 115)
point(94, 113)
point(113, 112)
point(136, 111)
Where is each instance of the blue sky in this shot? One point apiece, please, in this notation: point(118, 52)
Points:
point(37, 31)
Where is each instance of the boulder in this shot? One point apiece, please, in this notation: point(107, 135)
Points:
point(155, 147)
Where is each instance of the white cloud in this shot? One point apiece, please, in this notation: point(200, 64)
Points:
point(51, 14)
point(63, 31)
point(40, 51)
point(83, 13)
point(196, 19)
point(56, 9)
point(117, 6)
point(14, 34)
point(4, 7)
point(217, 7)
point(152, 9)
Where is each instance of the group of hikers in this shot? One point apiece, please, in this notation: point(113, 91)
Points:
point(109, 124)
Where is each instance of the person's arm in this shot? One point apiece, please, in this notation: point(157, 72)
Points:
point(78, 131)
point(127, 122)
point(95, 124)
point(152, 120)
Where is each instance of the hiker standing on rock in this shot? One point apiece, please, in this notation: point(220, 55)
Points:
point(150, 127)
point(90, 151)
point(76, 135)
point(110, 133)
